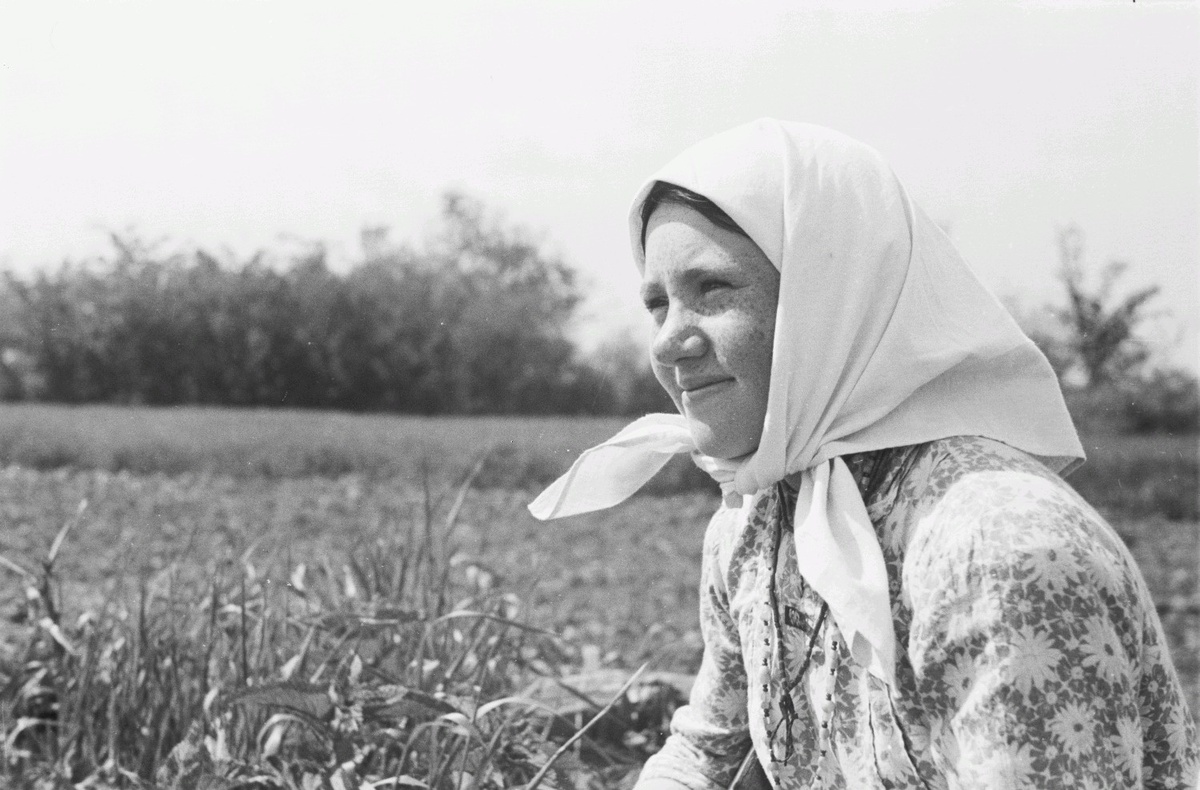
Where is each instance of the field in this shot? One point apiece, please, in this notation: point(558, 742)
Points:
point(239, 549)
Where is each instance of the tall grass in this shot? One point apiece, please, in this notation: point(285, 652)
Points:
point(397, 666)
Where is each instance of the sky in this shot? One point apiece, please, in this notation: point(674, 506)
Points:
point(241, 126)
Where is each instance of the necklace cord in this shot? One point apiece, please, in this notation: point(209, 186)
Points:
point(902, 459)
point(786, 705)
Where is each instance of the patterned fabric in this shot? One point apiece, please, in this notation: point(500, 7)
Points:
point(1031, 654)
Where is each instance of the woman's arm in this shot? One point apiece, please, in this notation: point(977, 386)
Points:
point(1038, 656)
point(709, 735)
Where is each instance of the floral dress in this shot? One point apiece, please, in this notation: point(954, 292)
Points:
point(1030, 652)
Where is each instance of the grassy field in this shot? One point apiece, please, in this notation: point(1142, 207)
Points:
point(1124, 476)
point(242, 549)
point(285, 443)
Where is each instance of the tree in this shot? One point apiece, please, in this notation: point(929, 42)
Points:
point(1093, 345)
point(1100, 343)
point(625, 362)
point(500, 307)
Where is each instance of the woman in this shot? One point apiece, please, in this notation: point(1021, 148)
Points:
point(899, 590)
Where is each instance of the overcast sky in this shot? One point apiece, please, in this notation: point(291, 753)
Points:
point(249, 125)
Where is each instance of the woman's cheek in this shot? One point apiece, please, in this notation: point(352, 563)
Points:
point(745, 341)
point(748, 357)
point(666, 380)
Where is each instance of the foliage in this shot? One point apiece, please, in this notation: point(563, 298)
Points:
point(1162, 402)
point(1141, 476)
point(407, 663)
point(475, 323)
point(1166, 401)
point(1105, 368)
point(1100, 344)
point(626, 364)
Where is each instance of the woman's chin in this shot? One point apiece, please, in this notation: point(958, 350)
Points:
point(717, 444)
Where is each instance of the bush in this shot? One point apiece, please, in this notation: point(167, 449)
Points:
point(1131, 477)
point(474, 323)
point(1167, 401)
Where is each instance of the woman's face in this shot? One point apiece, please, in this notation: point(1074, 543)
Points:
point(712, 294)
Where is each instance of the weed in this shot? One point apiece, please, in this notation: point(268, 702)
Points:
point(398, 666)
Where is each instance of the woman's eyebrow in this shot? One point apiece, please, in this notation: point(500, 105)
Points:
point(649, 290)
point(688, 276)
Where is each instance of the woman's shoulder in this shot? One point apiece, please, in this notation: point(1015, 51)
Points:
point(972, 477)
point(982, 508)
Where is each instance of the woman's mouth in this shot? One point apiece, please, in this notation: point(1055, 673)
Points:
point(697, 393)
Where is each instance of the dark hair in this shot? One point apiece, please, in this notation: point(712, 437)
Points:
point(663, 192)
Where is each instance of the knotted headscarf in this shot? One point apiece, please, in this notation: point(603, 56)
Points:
point(883, 338)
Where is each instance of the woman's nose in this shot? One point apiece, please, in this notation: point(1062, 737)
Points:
point(677, 338)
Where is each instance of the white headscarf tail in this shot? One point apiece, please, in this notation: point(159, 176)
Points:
point(839, 556)
point(611, 472)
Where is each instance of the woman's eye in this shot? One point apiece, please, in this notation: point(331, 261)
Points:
point(655, 303)
point(708, 286)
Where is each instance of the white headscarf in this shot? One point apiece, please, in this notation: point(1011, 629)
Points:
point(883, 338)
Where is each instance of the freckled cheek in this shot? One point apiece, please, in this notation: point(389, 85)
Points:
point(747, 353)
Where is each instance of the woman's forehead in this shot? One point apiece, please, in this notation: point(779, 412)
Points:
point(680, 240)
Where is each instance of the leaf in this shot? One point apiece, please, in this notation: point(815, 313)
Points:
point(306, 699)
point(386, 615)
point(218, 751)
point(62, 533)
point(272, 733)
point(297, 579)
point(351, 624)
point(289, 667)
point(186, 761)
point(396, 702)
point(214, 782)
point(15, 568)
point(399, 781)
point(578, 693)
point(25, 723)
point(210, 699)
point(275, 729)
point(353, 580)
point(51, 627)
